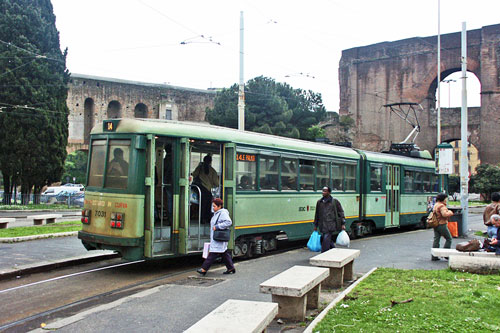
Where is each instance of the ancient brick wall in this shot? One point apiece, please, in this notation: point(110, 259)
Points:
point(405, 71)
point(92, 99)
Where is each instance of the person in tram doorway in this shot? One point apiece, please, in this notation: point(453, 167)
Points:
point(329, 218)
point(206, 178)
point(443, 214)
point(220, 221)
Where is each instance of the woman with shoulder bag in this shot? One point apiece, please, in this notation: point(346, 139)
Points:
point(220, 221)
point(443, 214)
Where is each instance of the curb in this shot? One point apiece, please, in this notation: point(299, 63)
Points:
point(337, 299)
point(35, 237)
point(45, 265)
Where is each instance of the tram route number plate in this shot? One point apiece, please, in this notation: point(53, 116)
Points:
point(100, 213)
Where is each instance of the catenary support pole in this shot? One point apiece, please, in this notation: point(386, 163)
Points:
point(438, 125)
point(464, 161)
point(241, 92)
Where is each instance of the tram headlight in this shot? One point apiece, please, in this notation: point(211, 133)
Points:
point(117, 220)
point(85, 216)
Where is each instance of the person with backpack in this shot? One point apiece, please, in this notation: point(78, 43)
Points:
point(442, 214)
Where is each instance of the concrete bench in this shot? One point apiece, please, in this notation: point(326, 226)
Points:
point(340, 262)
point(4, 221)
point(237, 316)
point(295, 289)
point(48, 218)
point(478, 265)
point(439, 252)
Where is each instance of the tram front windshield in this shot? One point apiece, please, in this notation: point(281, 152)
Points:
point(117, 156)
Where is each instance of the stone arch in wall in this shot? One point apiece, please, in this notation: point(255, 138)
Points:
point(114, 110)
point(141, 111)
point(88, 118)
point(405, 71)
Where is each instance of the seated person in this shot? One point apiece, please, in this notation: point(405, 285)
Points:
point(245, 183)
point(494, 243)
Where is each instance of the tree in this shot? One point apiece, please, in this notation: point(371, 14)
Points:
point(453, 185)
point(76, 166)
point(270, 107)
point(486, 180)
point(34, 115)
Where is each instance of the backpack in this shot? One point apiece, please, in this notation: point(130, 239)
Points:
point(472, 245)
point(432, 220)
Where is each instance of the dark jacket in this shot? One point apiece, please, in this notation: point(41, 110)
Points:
point(329, 216)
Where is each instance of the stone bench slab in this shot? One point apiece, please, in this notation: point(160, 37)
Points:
point(49, 218)
point(334, 258)
point(340, 262)
point(45, 216)
point(295, 281)
point(4, 221)
point(237, 316)
point(452, 252)
point(477, 265)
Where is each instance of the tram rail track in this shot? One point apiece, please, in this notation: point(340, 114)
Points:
point(34, 319)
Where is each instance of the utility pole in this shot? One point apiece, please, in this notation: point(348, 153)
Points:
point(439, 76)
point(241, 92)
point(464, 161)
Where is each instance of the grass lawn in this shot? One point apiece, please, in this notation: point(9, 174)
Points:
point(471, 203)
point(42, 229)
point(442, 301)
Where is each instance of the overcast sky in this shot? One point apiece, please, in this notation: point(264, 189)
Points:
point(195, 43)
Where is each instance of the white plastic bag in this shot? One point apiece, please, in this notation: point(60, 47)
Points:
point(206, 249)
point(343, 239)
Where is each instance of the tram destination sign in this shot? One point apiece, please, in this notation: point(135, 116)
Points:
point(245, 157)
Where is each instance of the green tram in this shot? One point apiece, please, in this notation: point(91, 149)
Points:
point(140, 200)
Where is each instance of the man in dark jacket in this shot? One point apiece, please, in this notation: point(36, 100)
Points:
point(329, 217)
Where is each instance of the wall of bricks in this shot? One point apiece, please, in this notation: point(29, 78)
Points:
point(92, 99)
point(405, 71)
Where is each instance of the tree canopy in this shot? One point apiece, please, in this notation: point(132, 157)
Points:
point(486, 180)
point(270, 107)
point(33, 111)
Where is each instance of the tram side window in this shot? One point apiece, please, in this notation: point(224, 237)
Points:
point(268, 172)
point(246, 171)
point(418, 182)
point(435, 183)
point(322, 175)
point(408, 181)
point(306, 174)
point(426, 180)
point(338, 177)
point(97, 163)
point(350, 177)
point(118, 162)
point(375, 179)
point(289, 174)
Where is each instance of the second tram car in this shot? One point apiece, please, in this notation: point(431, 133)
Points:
point(140, 199)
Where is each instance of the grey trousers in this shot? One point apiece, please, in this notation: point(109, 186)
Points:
point(442, 231)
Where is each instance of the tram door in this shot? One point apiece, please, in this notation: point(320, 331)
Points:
point(392, 190)
point(205, 184)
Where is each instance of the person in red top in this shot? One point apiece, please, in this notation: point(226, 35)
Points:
point(443, 214)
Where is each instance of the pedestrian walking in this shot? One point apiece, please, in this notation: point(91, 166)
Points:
point(329, 218)
point(220, 221)
point(442, 214)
